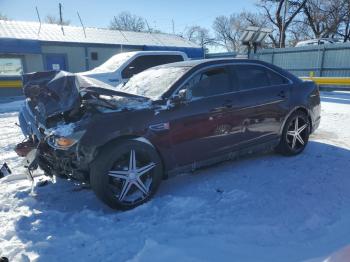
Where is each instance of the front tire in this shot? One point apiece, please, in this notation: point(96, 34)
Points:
point(295, 135)
point(126, 174)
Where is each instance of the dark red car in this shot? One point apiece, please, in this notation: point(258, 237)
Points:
point(165, 120)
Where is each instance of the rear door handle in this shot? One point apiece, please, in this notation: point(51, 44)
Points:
point(228, 103)
point(282, 94)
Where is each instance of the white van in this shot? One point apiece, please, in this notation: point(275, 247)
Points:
point(321, 41)
point(121, 67)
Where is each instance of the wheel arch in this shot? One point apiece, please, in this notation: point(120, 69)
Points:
point(295, 109)
point(119, 139)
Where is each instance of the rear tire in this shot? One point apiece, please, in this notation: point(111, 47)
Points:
point(126, 174)
point(295, 135)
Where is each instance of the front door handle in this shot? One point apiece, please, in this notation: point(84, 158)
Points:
point(227, 104)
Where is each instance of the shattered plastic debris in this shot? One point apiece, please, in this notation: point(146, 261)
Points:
point(62, 130)
point(5, 170)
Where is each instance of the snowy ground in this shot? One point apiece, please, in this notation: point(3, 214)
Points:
point(261, 208)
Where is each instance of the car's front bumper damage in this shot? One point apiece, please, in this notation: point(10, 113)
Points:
point(61, 163)
point(53, 161)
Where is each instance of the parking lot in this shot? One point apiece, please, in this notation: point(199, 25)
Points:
point(260, 208)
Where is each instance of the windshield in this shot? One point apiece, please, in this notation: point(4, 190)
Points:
point(112, 64)
point(154, 82)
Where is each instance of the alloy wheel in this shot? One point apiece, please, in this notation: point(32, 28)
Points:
point(131, 177)
point(297, 133)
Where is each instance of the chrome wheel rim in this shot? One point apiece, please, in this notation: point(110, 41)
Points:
point(297, 133)
point(131, 177)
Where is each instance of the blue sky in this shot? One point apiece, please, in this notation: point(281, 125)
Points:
point(158, 13)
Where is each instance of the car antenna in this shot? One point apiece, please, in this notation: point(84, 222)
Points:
point(37, 13)
point(82, 25)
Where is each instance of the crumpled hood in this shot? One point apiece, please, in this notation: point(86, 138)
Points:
point(54, 92)
point(51, 92)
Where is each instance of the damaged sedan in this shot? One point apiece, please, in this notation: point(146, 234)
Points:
point(166, 120)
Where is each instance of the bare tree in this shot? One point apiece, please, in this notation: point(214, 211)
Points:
point(297, 32)
point(199, 35)
point(128, 22)
point(3, 17)
point(323, 17)
point(344, 27)
point(281, 14)
point(228, 30)
point(51, 19)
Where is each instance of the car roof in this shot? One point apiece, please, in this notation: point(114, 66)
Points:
point(213, 61)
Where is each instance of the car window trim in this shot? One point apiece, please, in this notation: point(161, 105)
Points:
point(226, 65)
point(201, 71)
point(290, 82)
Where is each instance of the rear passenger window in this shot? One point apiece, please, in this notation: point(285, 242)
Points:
point(276, 79)
point(142, 63)
point(210, 83)
point(250, 76)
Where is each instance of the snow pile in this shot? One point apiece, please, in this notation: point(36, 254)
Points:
point(13, 106)
point(261, 208)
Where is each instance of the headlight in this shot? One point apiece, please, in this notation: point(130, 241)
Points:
point(64, 143)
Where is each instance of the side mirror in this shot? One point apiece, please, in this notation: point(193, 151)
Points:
point(183, 94)
point(179, 98)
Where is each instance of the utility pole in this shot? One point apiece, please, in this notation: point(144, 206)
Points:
point(61, 18)
point(37, 12)
point(286, 7)
point(173, 24)
point(60, 10)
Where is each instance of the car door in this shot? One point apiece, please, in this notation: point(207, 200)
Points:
point(201, 127)
point(263, 101)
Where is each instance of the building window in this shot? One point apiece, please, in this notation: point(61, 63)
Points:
point(94, 56)
point(10, 66)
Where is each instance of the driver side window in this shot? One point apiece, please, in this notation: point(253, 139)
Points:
point(209, 83)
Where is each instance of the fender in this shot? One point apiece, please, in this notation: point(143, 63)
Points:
point(303, 108)
point(165, 155)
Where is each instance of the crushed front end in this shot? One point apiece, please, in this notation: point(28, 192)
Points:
point(58, 151)
point(59, 109)
point(53, 119)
